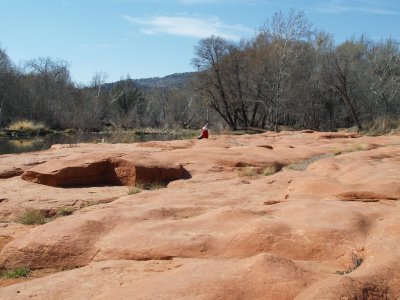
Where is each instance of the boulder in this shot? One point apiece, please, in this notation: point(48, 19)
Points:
point(101, 169)
point(10, 172)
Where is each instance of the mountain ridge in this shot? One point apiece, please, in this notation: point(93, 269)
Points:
point(175, 79)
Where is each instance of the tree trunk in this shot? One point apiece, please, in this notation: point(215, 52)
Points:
point(347, 100)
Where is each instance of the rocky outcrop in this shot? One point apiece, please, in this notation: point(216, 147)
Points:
point(103, 169)
point(323, 226)
point(10, 172)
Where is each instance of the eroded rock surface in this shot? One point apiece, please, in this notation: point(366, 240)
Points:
point(324, 226)
point(102, 169)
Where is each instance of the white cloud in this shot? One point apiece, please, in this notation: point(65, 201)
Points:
point(189, 26)
point(360, 6)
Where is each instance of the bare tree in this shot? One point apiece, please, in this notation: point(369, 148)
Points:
point(342, 71)
point(50, 83)
point(97, 82)
point(384, 68)
point(9, 89)
point(209, 55)
point(285, 38)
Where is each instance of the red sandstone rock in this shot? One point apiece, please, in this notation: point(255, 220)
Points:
point(103, 169)
point(10, 172)
point(215, 235)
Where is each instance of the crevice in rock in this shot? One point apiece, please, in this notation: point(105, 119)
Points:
point(364, 196)
point(112, 171)
point(10, 173)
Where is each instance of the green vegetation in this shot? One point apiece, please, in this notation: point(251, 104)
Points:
point(17, 273)
point(32, 217)
point(134, 190)
point(151, 186)
point(70, 131)
point(38, 217)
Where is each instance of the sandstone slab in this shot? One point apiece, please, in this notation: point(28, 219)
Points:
point(102, 169)
point(216, 232)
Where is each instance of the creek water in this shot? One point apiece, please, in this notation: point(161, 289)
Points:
point(11, 145)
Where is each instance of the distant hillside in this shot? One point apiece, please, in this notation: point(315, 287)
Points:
point(177, 79)
point(173, 80)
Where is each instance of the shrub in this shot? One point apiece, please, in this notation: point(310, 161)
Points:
point(269, 170)
point(32, 217)
point(70, 131)
point(26, 125)
point(154, 186)
point(151, 186)
point(247, 171)
point(252, 171)
point(17, 273)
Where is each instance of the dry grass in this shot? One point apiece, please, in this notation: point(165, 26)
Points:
point(150, 186)
point(352, 148)
point(154, 186)
point(64, 211)
point(384, 125)
point(26, 125)
point(269, 170)
point(247, 171)
point(133, 190)
point(37, 217)
point(32, 217)
point(292, 166)
point(253, 171)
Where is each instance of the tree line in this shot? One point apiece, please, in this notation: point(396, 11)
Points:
point(290, 74)
point(287, 74)
point(42, 91)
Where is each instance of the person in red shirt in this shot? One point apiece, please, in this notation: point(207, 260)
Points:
point(204, 133)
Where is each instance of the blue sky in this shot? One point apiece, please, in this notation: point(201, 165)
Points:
point(148, 38)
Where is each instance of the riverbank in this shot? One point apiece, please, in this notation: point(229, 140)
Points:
point(19, 143)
